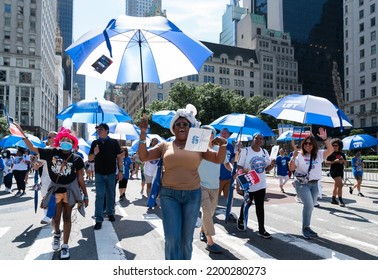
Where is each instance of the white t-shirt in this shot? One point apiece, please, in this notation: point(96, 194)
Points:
point(209, 172)
point(150, 167)
point(302, 164)
point(258, 161)
point(20, 162)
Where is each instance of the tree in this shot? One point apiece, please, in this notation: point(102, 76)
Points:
point(3, 127)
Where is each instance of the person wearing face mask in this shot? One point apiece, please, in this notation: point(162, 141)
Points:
point(8, 170)
point(106, 152)
point(20, 170)
point(66, 172)
point(180, 192)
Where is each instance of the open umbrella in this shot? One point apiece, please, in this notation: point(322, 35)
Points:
point(308, 109)
point(162, 51)
point(125, 130)
point(359, 141)
point(163, 117)
point(95, 112)
point(16, 141)
point(248, 123)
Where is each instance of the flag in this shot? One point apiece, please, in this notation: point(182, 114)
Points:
point(12, 128)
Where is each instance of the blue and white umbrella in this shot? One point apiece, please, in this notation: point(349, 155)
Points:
point(359, 141)
point(288, 136)
point(308, 109)
point(124, 130)
point(248, 123)
point(138, 49)
point(95, 112)
point(163, 118)
point(16, 141)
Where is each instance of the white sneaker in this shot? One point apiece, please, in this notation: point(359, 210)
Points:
point(9, 190)
point(64, 252)
point(56, 242)
point(45, 220)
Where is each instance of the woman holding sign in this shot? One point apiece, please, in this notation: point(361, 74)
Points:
point(254, 161)
point(180, 193)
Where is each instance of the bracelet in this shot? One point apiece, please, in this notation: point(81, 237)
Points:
point(142, 141)
point(85, 197)
point(325, 139)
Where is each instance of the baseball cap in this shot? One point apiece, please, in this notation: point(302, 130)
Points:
point(103, 125)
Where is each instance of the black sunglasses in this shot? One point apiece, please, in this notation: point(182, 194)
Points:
point(307, 143)
point(184, 124)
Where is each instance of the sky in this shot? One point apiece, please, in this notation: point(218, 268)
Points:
point(201, 19)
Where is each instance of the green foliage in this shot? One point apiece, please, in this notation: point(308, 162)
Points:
point(356, 131)
point(3, 127)
point(211, 101)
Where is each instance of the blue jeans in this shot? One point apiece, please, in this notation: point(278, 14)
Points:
point(308, 193)
point(105, 189)
point(180, 212)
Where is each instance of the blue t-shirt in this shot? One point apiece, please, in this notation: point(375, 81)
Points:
point(282, 165)
point(126, 168)
point(226, 174)
point(357, 170)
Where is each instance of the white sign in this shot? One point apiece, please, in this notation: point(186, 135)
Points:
point(274, 152)
point(198, 140)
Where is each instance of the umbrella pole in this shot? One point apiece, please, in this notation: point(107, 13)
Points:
point(141, 70)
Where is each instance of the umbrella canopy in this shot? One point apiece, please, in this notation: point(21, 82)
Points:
point(16, 141)
point(84, 146)
point(240, 137)
point(308, 109)
point(359, 141)
point(235, 122)
point(160, 48)
point(163, 117)
point(95, 112)
point(135, 143)
point(125, 130)
point(288, 136)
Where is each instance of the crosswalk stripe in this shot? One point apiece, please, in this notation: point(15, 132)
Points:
point(107, 243)
point(41, 248)
point(157, 224)
point(3, 230)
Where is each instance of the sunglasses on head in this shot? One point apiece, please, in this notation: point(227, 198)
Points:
point(179, 124)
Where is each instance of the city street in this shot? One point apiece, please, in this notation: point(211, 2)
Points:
point(137, 234)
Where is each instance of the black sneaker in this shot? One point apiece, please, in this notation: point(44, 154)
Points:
point(215, 248)
point(240, 225)
point(306, 233)
point(341, 202)
point(360, 194)
point(264, 234)
point(203, 237)
point(350, 190)
point(111, 218)
point(98, 226)
point(334, 201)
point(312, 233)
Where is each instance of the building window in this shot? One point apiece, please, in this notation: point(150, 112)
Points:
point(374, 91)
point(373, 77)
point(373, 121)
point(372, 8)
point(6, 61)
point(362, 40)
point(362, 66)
point(3, 76)
point(373, 63)
point(362, 108)
point(19, 62)
point(361, 14)
point(20, 49)
point(361, 27)
point(32, 64)
point(8, 8)
point(251, 74)
point(362, 122)
point(374, 107)
point(362, 93)
point(352, 110)
point(20, 37)
point(32, 51)
point(160, 96)
point(7, 35)
point(373, 49)
point(362, 53)
point(373, 35)
point(6, 48)
point(25, 78)
point(372, 22)
point(360, 2)
point(362, 80)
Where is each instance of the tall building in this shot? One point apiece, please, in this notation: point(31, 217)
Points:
point(142, 8)
point(30, 70)
point(360, 49)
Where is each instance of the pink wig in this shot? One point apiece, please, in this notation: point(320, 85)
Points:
point(64, 132)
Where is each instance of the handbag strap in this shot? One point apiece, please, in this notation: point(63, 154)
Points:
point(62, 166)
point(310, 165)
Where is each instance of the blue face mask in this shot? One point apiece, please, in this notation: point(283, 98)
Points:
point(66, 146)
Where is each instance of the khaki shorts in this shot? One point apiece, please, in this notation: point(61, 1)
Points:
point(61, 197)
point(148, 179)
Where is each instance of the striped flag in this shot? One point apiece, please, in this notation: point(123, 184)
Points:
point(12, 128)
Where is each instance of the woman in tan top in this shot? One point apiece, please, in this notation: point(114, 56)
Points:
point(180, 194)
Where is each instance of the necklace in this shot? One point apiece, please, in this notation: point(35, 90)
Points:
point(179, 146)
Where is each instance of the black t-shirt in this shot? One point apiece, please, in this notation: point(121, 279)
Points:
point(55, 158)
point(336, 168)
point(106, 159)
